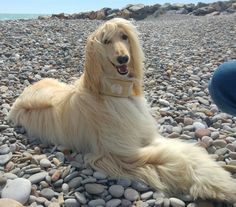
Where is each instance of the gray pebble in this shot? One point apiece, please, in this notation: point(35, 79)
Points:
point(99, 175)
point(75, 182)
point(113, 203)
point(147, 195)
point(71, 176)
point(116, 191)
point(220, 143)
point(4, 149)
point(71, 202)
point(124, 182)
point(175, 202)
point(47, 193)
point(125, 203)
point(5, 158)
point(94, 188)
point(36, 178)
point(65, 188)
point(97, 202)
point(139, 186)
point(18, 189)
point(80, 197)
point(45, 163)
point(131, 194)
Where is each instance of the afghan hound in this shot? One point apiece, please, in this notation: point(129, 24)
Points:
point(106, 115)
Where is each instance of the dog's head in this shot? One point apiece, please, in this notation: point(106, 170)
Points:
point(114, 51)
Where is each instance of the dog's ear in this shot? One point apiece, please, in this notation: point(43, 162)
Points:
point(93, 66)
point(137, 56)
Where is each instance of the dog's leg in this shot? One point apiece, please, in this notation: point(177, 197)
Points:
point(169, 165)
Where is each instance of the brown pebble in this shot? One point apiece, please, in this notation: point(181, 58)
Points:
point(199, 133)
point(56, 175)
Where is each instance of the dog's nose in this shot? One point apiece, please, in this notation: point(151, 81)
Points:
point(122, 59)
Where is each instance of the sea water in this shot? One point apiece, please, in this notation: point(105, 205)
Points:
point(19, 16)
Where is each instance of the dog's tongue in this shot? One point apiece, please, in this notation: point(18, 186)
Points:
point(123, 69)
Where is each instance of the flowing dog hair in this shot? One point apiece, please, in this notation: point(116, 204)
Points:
point(106, 115)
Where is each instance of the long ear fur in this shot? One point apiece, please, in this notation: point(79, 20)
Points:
point(136, 52)
point(93, 66)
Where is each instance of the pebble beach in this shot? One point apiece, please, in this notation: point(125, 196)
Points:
point(181, 51)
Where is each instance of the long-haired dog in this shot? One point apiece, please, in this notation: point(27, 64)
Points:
point(105, 114)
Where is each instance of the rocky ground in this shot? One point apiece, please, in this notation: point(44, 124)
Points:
point(181, 54)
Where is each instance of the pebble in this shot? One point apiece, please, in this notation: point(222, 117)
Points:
point(131, 194)
point(116, 191)
point(75, 182)
point(124, 182)
point(5, 158)
point(99, 175)
point(125, 203)
point(220, 143)
point(4, 149)
point(45, 163)
point(18, 189)
point(96, 203)
point(113, 203)
point(47, 193)
point(65, 188)
point(175, 202)
point(80, 197)
point(94, 188)
point(71, 202)
point(198, 125)
point(199, 133)
point(36, 178)
point(146, 195)
point(139, 186)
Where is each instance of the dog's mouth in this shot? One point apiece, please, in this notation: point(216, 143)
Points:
point(121, 69)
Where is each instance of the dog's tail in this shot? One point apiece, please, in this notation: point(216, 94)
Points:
point(172, 164)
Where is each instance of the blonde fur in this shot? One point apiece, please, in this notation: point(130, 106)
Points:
point(119, 133)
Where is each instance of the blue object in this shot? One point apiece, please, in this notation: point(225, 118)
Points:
point(222, 87)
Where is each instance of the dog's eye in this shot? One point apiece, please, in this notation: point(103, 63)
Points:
point(106, 41)
point(124, 37)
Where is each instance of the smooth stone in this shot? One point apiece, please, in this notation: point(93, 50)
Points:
point(221, 151)
point(125, 203)
point(219, 143)
point(4, 149)
point(80, 197)
point(175, 202)
point(199, 133)
point(71, 202)
point(99, 175)
point(215, 135)
point(188, 121)
point(94, 188)
point(166, 202)
point(232, 155)
point(198, 125)
point(5, 158)
point(47, 193)
point(75, 182)
point(113, 203)
point(131, 194)
point(159, 202)
point(147, 195)
point(10, 176)
point(139, 186)
point(65, 188)
point(45, 163)
point(124, 182)
point(116, 191)
point(96, 202)
point(18, 189)
point(87, 171)
point(164, 102)
point(60, 156)
point(7, 202)
point(71, 176)
point(38, 177)
point(207, 141)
